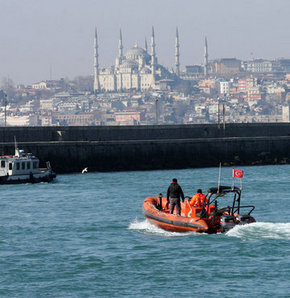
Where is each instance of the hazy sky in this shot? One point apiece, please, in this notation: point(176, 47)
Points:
point(43, 37)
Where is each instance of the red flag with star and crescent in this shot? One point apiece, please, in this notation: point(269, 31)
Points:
point(238, 173)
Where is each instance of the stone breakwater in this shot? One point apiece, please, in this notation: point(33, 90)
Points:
point(121, 148)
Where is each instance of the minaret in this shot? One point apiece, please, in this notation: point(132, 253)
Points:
point(205, 61)
point(153, 55)
point(145, 45)
point(120, 46)
point(177, 64)
point(96, 65)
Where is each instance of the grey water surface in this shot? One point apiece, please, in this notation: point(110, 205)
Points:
point(84, 235)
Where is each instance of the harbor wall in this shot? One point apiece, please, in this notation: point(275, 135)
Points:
point(103, 148)
point(110, 133)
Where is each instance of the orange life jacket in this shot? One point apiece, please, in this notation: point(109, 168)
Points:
point(197, 200)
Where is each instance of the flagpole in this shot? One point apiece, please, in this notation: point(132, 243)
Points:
point(233, 179)
point(219, 179)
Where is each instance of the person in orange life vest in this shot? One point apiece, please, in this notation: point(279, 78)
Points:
point(198, 199)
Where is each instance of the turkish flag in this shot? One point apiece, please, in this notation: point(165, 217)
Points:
point(238, 173)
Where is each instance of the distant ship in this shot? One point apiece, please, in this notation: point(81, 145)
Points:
point(23, 168)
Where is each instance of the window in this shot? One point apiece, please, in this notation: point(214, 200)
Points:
point(28, 165)
point(2, 163)
point(23, 165)
point(17, 166)
point(10, 166)
point(35, 165)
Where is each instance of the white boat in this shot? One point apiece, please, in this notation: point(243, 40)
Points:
point(23, 168)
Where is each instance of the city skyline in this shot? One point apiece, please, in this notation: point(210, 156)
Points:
point(51, 39)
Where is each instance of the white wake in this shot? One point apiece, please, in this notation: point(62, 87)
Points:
point(254, 231)
point(261, 230)
point(147, 227)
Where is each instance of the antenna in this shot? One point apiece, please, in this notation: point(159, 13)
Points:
point(156, 111)
point(50, 72)
point(219, 120)
point(5, 109)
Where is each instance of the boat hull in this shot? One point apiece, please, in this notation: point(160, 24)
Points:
point(161, 217)
point(46, 176)
point(202, 219)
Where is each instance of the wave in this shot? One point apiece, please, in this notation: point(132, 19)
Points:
point(261, 230)
point(254, 231)
point(147, 227)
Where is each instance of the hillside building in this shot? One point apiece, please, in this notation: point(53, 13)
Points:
point(258, 65)
point(226, 65)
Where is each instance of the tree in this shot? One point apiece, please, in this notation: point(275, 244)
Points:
point(84, 83)
point(3, 97)
point(8, 87)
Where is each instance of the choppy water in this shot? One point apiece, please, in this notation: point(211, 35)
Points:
point(85, 236)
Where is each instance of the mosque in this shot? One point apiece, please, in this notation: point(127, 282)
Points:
point(134, 70)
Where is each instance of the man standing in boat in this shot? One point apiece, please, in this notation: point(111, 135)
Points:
point(174, 193)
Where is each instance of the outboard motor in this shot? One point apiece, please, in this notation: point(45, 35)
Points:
point(227, 223)
point(243, 219)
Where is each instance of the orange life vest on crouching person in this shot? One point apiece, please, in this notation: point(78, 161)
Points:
point(197, 200)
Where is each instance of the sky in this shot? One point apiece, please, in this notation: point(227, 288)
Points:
point(43, 39)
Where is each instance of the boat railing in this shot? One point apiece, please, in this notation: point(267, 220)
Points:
point(160, 202)
point(244, 207)
point(42, 170)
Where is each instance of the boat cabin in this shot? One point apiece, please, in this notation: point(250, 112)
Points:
point(19, 164)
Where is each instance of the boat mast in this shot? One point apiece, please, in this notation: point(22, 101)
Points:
point(16, 148)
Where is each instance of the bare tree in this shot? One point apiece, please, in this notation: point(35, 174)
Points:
point(83, 83)
point(8, 87)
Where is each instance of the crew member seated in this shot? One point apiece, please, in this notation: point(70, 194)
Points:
point(198, 199)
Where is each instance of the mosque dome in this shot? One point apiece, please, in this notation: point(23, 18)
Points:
point(135, 53)
point(128, 63)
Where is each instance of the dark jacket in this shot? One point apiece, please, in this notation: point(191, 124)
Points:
point(175, 191)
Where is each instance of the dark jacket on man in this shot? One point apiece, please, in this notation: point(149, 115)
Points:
point(175, 191)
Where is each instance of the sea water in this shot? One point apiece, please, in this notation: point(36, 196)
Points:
point(84, 235)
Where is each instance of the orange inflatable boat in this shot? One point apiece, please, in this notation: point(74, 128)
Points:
point(209, 218)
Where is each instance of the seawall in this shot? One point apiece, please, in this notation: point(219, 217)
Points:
point(116, 148)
